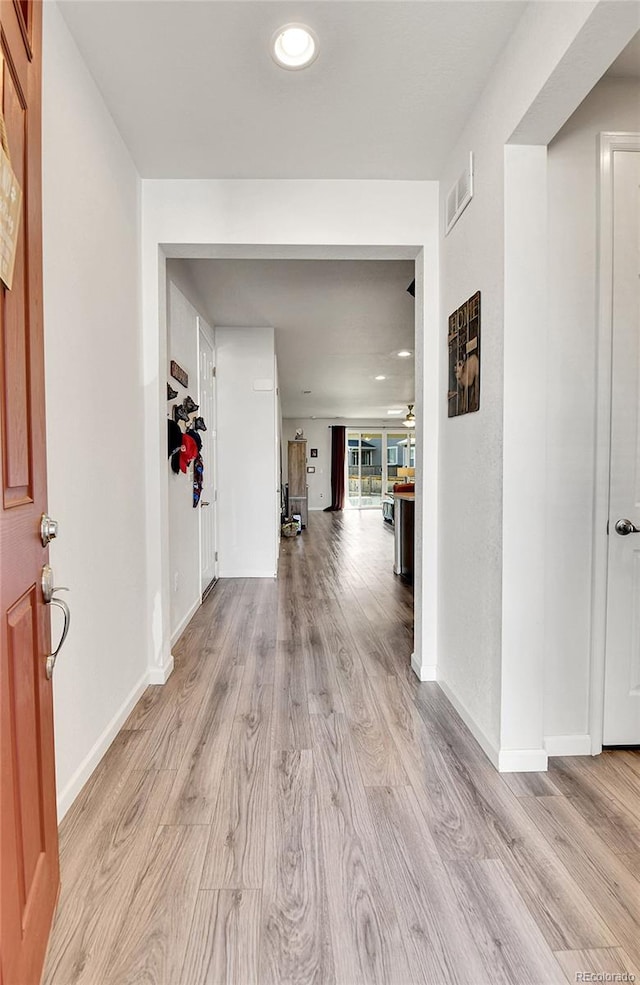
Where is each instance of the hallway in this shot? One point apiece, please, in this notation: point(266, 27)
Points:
point(294, 807)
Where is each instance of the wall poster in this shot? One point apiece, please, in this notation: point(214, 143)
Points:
point(463, 340)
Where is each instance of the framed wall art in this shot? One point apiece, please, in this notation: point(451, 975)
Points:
point(463, 340)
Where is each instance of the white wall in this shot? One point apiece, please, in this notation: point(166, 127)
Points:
point(184, 520)
point(613, 105)
point(180, 275)
point(471, 446)
point(551, 61)
point(523, 458)
point(94, 408)
point(247, 448)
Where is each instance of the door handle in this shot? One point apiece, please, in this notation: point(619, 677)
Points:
point(625, 527)
point(205, 503)
point(48, 588)
point(52, 657)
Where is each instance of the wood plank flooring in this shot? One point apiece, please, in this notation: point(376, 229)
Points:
point(294, 808)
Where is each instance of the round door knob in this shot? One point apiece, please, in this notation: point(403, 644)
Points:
point(625, 527)
point(48, 529)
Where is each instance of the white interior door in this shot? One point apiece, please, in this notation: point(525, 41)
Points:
point(622, 673)
point(208, 504)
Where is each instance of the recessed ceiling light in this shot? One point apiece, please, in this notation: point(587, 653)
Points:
point(404, 353)
point(380, 377)
point(398, 412)
point(294, 46)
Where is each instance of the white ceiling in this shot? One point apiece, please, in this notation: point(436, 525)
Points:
point(338, 324)
point(195, 93)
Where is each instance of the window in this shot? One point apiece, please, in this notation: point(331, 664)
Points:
point(365, 472)
point(375, 458)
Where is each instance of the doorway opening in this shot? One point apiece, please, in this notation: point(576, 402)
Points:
point(425, 331)
point(397, 452)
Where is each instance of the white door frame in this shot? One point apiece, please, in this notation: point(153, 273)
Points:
point(427, 410)
point(204, 331)
point(609, 143)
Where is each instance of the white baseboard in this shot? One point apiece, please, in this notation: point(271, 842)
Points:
point(71, 790)
point(504, 760)
point(246, 573)
point(523, 761)
point(160, 675)
point(488, 747)
point(568, 745)
point(423, 673)
point(182, 625)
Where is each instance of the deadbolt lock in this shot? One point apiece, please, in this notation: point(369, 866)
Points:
point(48, 529)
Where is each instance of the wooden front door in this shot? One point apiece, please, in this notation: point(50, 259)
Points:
point(28, 829)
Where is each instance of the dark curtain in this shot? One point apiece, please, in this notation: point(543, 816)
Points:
point(338, 451)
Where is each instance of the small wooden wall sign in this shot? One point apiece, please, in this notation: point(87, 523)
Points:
point(179, 374)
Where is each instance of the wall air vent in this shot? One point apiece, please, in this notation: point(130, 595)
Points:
point(460, 196)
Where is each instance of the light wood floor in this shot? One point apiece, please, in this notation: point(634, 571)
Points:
point(294, 807)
